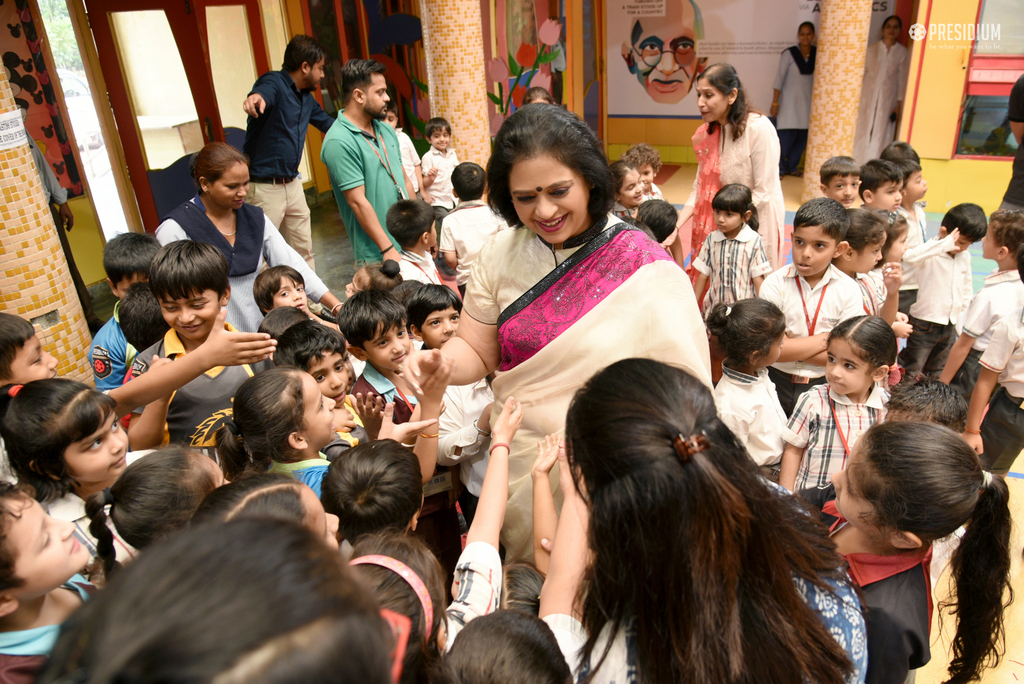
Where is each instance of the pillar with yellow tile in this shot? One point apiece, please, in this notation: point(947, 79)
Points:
point(838, 72)
point(453, 40)
point(34, 279)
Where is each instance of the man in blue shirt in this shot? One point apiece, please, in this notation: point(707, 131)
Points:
point(281, 107)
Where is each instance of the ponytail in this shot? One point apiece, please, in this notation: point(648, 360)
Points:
point(980, 569)
point(95, 509)
point(267, 409)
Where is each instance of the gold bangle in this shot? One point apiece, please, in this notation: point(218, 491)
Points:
point(433, 436)
point(972, 432)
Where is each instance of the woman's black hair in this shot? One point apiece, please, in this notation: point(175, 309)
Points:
point(376, 486)
point(41, 421)
point(268, 407)
point(521, 583)
point(267, 495)
point(544, 129)
point(726, 544)
point(867, 228)
point(924, 479)
point(893, 16)
point(736, 197)
point(620, 169)
point(871, 337)
point(747, 327)
point(507, 646)
point(255, 601)
point(422, 654)
point(806, 23)
point(723, 78)
point(154, 496)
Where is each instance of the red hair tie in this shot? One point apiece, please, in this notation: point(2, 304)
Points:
point(13, 390)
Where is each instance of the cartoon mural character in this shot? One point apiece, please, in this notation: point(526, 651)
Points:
point(662, 52)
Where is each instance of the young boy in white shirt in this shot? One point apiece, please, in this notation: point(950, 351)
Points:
point(470, 225)
point(437, 165)
point(813, 294)
point(944, 276)
point(1002, 295)
point(999, 438)
point(411, 223)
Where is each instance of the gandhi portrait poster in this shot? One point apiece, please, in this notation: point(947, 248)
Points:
point(657, 48)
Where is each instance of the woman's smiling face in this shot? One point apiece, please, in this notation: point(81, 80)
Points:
point(550, 198)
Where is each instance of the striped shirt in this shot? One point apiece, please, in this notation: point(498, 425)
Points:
point(813, 428)
point(873, 291)
point(732, 265)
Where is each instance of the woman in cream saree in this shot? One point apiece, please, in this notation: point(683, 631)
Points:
point(545, 311)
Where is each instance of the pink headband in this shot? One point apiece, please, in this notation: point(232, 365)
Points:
point(406, 573)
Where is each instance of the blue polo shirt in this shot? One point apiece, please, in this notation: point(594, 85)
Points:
point(274, 141)
point(110, 355)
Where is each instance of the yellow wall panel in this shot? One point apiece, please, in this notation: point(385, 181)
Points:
point(951, 182)
point(86, 240)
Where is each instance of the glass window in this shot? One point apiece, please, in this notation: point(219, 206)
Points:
point(985, 127)
point(1001, 30)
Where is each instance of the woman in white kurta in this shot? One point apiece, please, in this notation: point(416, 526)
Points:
point(881, 95)
point(569, 290)
point(791, 98)
point(736, 144)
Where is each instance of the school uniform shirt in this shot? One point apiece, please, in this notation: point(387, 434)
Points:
point(464, 404)
point(110, 355)
point(310, 471)
point(835, 297)
point(418, 268)
point(1005, 354)
point(944, 281)
point(373, 382)
point(23, 653)
point(749, 406)
point(654, 194)
point(732, 265)
point(872, 291)
point(476, 587)
point(410, 159)
point(622, 211)
point(445, 162)
point(896, 591)
point(198, 409)
point(813, 427)
point(465, 231)
point(1002, 295)
point(917, 235)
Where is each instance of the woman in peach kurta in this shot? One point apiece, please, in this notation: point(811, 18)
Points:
point(735, 145)
point(570, 290)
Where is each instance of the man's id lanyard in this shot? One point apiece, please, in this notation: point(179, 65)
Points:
point(811, 325)
point(385, 164)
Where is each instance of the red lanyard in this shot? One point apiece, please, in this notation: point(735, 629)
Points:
point(435, 280)
point(404, 398)
point(387, 164)
point(867, 298)
point(846, 445)
point(811, 325)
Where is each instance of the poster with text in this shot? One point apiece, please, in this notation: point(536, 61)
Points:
point(656, 48)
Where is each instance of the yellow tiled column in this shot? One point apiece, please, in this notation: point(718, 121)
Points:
point(453, 40)
point(34, 279)
point(838, 72)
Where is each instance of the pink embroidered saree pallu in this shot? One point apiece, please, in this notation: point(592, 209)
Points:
point(619, 296)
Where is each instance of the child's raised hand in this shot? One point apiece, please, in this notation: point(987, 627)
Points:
point(370, 409)
point(508, 422)
point(432, 173)
point(892, 275)
point(951, 242)
point(433, 370)
point(547, 456)
point(226, 348)
point(404, 433)
point(902, 329)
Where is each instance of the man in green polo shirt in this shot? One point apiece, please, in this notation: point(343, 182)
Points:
point(362, 155)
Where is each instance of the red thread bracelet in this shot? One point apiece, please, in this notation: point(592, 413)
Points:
point(499, 444)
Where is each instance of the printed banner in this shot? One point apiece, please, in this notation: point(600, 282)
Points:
point(653, 59)
point(12, 130)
